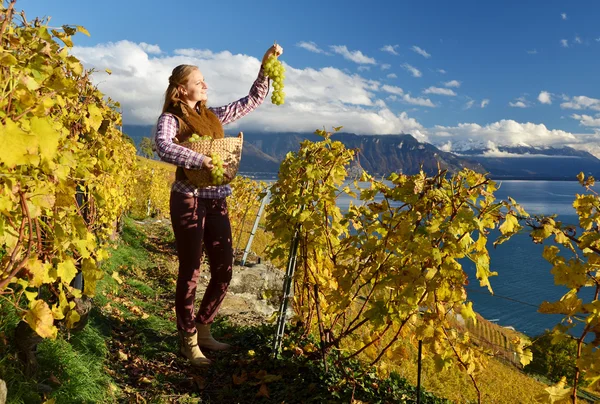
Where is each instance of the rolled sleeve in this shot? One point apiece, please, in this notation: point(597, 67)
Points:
point(171, 152)
point(237, 109)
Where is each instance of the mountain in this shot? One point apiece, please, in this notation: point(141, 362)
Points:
point(378, 154)
point(527, 162)
point(383, 154)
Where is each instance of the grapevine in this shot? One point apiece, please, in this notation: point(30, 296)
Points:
point(274, 69)
point(66, 174)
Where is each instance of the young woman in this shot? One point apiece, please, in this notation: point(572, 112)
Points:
point(199, 215)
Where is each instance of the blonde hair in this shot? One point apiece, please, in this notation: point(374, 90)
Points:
point(179, 77)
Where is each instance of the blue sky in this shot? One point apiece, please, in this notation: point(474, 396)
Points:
point(451, 72)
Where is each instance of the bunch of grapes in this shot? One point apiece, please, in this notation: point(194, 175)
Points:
point(275, 70)
point(196, 138)
point(216, 173)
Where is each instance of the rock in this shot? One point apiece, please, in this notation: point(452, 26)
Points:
point(262, 281)
point(3, 392)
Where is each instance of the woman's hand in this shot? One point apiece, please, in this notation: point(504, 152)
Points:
point(273, 50)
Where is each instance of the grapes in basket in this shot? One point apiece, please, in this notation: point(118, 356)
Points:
point(217, 173)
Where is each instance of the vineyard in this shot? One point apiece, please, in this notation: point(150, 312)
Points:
point(371, 283)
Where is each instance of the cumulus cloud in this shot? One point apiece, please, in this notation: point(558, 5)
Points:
point(564, 43)
point(314, 98)
point(439, 91)
point(392, 89)
point(311, 47)
point(469, 104)
point(363, 68)
point(412, 70)
point(150, 49)
point(563, 16)
point(545, 97)
point(452, 83)
point(532, 51)
point(385, 66)
point(441, 71)
point(520, 102)
point(354, 56)
point(423, 102)
point(581, 102)
point(578, 39)
point(392, 76)
point(421, 51)
point(484, 103)
point(390, 49)
point(587, 120)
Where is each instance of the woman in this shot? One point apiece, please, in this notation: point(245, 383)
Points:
point(199, 215)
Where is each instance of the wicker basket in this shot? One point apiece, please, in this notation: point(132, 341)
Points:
point(230, 150)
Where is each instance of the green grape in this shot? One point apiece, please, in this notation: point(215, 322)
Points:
point(275, 71)
point(216, 173)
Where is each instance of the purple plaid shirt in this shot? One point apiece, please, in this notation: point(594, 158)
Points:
point(173, 153)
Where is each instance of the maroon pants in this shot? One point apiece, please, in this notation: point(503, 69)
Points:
point(199, 223)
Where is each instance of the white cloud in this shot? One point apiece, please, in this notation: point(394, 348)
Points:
point(412, 70)
point(469, 104)
point(439, 91)
point(587, 120)
point(392, 76)
point(152, 49)
point(392, 89)
point(518, 104)
point(532, 52)
point(452, 83)
point(578, 39)
point(485, 103)
point(581, 102)
point(420, 51)
point(311, 47)
point(442, 71)
point(564, 43)
point(392, 98)
point(363, 68)
point(504, 132)
point(390, 49)
point(423, 102)
point(314, 98)
point(354, 56)
point(386, 66)
point(563, 16)
point(545, 97)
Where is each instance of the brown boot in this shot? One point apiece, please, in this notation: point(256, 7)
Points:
point(191, 350)
point(206, 340)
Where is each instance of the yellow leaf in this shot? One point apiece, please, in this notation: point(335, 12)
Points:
point(40, 319)
point(48, 136)
point(116, 277)
point(40, 272)
point(72, 318)
point(18, 146)
point(82, 30)
point(556, 394)
point(66, 270)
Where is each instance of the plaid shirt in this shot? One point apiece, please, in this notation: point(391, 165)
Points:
point(173, 153)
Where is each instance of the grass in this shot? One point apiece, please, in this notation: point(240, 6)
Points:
point(128, 350)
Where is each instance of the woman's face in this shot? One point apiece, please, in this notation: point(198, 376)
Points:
point(194, 89)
